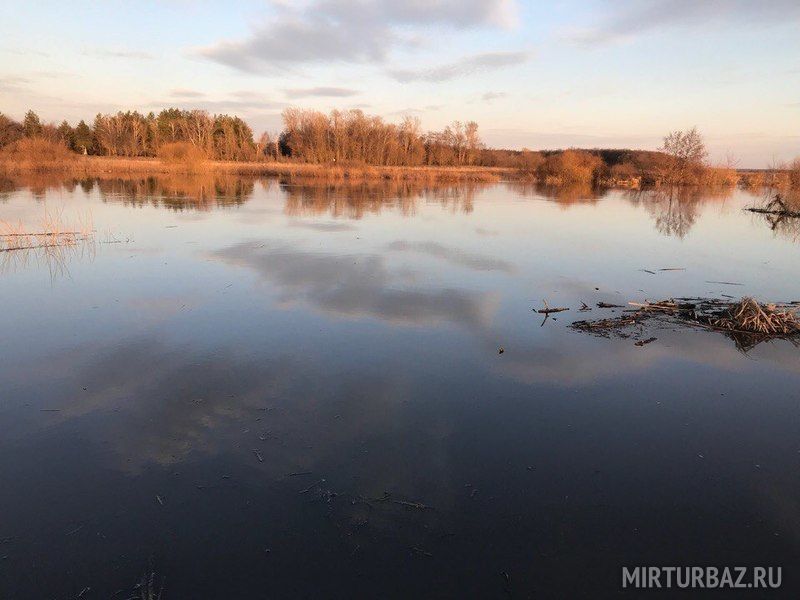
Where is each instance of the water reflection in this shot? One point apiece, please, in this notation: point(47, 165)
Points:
point(786, 227)
point(304, 369)
point(675, 210)
point(358, 285)
point(177, 192)
point(563, 194)
point(354, 200)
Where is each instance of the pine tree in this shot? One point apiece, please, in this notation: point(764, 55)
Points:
point(31, 124)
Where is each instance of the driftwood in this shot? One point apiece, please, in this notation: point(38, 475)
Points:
point(547, 310)
point(776, 207)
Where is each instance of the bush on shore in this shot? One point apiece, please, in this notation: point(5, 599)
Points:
point(36, 154)
point(182, 155)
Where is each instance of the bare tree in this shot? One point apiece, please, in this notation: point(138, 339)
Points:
point(686, 151)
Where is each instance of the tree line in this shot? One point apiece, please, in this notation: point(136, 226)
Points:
point(308, 136)
point(132, 134)
point(352, 137)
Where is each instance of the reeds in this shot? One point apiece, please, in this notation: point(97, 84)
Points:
point(50, 232)
point(749, 316)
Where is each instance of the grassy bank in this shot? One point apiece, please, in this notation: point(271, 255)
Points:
point(99, 165)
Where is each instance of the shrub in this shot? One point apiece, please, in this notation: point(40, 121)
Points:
point(571, 166)
point(36, 154)
point(718, 176)
point(624, 171)
point(182, 154)
point(529, 162)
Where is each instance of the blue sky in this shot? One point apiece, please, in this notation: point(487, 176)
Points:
point(610, 73)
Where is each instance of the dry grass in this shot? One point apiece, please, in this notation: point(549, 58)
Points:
point(749, 316)
point(334, 172)
point(50, 232)
point(179, 162)
point(51, 243)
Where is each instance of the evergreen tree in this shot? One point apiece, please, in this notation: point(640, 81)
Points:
point(31, 124)
point(66, 134)
point(83, 138)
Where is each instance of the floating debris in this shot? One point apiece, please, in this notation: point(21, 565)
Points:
point(602, 325)
point(747, 321)
point(607, 305)
point(749, 316)
point(416, 505)
point(547, 310)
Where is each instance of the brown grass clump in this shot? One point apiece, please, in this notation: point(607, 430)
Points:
point(183, 155)
point(794, 173)
point(749, 316)
point(36, 154)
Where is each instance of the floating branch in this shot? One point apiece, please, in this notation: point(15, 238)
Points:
point(547, 310)
point(776, 207)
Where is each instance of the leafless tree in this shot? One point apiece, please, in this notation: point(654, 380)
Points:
point(686, 151)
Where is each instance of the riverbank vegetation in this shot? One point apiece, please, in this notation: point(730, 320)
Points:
point(352, 145)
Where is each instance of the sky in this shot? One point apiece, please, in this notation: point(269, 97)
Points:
point(534, 74)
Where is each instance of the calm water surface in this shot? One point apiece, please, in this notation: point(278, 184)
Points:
point(264, 389)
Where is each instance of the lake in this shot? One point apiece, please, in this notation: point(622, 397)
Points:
point(250, 388)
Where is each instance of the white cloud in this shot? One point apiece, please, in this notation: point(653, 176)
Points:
point(329, 92)
point(350, 31)
point(465, 66)
point(630, 18)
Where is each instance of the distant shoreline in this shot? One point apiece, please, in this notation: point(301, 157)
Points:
point(103, 166)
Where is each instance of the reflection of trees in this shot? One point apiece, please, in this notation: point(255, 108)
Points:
point(175, 190)
point(579, 193)
point(675, 209)
point(6, 187)
point(355, 199)
point(178, 191)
